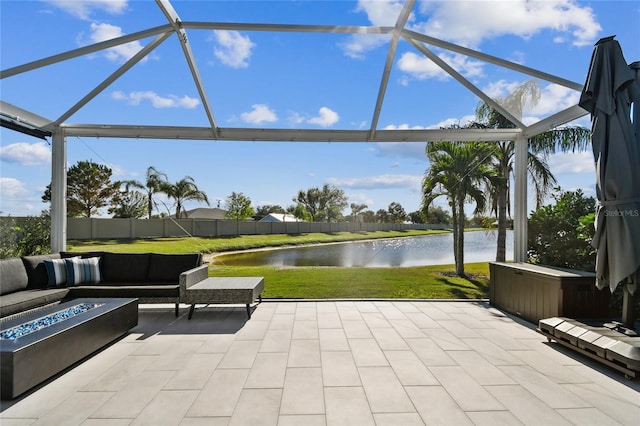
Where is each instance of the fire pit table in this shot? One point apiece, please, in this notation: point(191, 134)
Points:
point(38, 344)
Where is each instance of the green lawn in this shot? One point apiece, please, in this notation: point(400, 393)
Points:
point(428, 282)
point(423, 282)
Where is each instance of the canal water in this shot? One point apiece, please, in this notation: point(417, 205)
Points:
point(437, 249)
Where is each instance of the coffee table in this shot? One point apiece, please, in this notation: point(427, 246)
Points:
point(38, 344)
point(225, 290)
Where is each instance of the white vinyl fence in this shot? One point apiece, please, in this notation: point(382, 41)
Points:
point(95, 229)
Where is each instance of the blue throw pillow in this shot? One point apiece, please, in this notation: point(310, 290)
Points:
point(83, 271)
point(56, 272)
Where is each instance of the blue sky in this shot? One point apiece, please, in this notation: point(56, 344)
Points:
point(287, 80)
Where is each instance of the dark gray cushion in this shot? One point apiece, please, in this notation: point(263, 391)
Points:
point(37, 273)
point(166, 268)
point(124, 267)
point(137, 291)
point(82, 254)
point(13, 276)
point(28, 299)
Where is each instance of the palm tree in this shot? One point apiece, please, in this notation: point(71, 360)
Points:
point(155, 182)
point(129, 203)
point(540, 147)
point(184, 190)
point(459, 171)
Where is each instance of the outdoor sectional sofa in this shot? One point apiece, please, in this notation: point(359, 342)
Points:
point(25, 282)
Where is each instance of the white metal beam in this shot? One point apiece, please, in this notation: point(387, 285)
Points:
point(84, 51)
point(287, 135)
point(23, 116)
point(287, 28)
point(175, 21)
point(466, 83)
point(113, 77)
point(384, 81)
point(555, 120)
point(58, 191)
point(520, 205)
point(492, 59)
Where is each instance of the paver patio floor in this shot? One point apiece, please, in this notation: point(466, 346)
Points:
point(332, 363)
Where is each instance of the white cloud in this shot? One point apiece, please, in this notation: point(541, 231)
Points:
point(295, 118)
point(572, 163)
point(517, 56)
point(260, 113)
point(326, 118)
point(17, 200)
point(157, 101)
point(84, 9)
point(403, 126)
point(12, 188)
point(233, 49)
point(423, 68)
point(501, 88)
point(101, 32)
point(379, 12)
point(446, 123)
point(360, 198)
point(420, 67)
point(554, 98)
point(26, 154)
point(523, 18)
point(359, 44)
point(449, 20)
point(121, 172)
point(385, 181)
point(450, 122)
point(464, 65)
point(415, 150)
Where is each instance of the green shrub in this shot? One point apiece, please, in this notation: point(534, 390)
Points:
point(560, 234)
point(25, 236)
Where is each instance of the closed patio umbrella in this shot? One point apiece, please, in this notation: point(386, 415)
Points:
point(609, 91)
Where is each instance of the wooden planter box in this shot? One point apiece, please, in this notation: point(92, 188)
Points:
point(534, 292)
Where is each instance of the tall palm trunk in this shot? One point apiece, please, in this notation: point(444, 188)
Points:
point(502, 214)
point(460, 244)
point(454, 218)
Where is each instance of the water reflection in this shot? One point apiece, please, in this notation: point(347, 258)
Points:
point(396, 252)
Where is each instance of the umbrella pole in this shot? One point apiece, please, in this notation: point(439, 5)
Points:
point(628, 308)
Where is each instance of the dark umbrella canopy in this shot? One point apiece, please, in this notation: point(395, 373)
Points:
point(609, 91)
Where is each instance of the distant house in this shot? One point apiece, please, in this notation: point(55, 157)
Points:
point(280, 217)
point(204, 213)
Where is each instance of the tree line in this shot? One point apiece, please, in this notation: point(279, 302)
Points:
point(91, 190)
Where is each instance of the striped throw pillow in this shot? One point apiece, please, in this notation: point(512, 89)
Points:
point(81, 271)
point(56, 272)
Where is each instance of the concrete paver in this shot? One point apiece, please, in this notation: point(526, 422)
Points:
point(386, 362)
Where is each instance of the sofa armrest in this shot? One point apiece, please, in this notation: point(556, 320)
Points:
point(191, 277)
